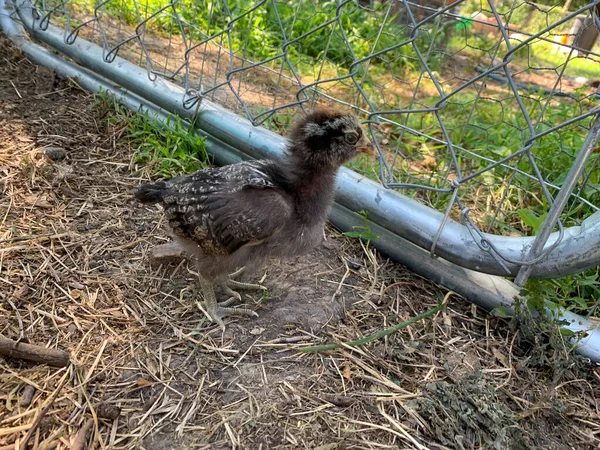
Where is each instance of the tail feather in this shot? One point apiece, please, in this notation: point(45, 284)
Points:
point(150, 192)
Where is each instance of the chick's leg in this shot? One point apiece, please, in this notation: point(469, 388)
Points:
point(230, 283)
point(215, 311)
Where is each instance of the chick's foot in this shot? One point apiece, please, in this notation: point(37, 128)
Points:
point(231, 283)
point(217, 311)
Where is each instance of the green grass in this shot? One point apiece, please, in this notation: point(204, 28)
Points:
point(167, 150)
point(576, 67)
point(256, 32)
point(164, 150)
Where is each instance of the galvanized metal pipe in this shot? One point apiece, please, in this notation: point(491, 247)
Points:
point(409, 219)
point(487, 291)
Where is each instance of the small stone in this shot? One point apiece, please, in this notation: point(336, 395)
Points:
point(100, 377)
point(165, 253)
point(55, 153)
point(353, 264)
point(331, 244)
point(27, 397)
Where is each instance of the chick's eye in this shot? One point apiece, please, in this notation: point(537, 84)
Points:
point(351, 138)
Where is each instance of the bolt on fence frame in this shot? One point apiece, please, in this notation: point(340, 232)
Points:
point(235, 138)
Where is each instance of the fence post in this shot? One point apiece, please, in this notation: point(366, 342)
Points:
point(561, 200)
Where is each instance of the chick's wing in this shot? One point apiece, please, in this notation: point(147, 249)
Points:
point(227, 208)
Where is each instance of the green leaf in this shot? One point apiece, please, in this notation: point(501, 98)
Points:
point(368, 236)
point(531, 219)
point(591, 280)
point(566, 332)
point(581, 302)
point(535, 304)
point(528, 217)
point(501, 311)
point(352, 234)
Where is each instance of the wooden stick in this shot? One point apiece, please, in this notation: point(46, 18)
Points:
point(81, 437)
point(27, 397)
point(44, 410)
point(36, 353)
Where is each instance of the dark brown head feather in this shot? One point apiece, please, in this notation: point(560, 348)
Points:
point(318, 141)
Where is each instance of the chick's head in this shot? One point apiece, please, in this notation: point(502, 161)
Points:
point(327, 139)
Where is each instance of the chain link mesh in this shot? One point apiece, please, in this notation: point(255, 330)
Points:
point(477, 108)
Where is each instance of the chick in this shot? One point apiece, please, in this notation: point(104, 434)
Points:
point(247, 213)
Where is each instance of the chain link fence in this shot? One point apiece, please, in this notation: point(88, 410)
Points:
point(483, 111)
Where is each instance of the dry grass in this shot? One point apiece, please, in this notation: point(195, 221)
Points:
point(75, 276)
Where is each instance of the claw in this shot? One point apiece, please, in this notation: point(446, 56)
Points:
point(233, 295)
point(251, 286)
point(217, 311)
point(231, 282)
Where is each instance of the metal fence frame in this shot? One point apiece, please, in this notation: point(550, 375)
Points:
point(407, 230)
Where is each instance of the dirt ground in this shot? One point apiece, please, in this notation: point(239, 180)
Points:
point(75, 275)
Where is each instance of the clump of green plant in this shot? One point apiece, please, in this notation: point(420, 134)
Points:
point(469, 414)
point(496, 129)
point(168, 149)
point(164, 149)
point(579, 293)
point(362, 231)
point(542, 334)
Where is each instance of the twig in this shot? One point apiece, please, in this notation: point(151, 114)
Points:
point(36, 353)
point(15, 88)
point(44, 410)
point(28, 394)
point(82, 435)
point(375, 336)
point(290, 340)
point(19, 320)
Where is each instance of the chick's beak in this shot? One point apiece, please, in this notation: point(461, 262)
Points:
point(365, 146)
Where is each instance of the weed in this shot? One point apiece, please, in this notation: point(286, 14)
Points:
point(167, 149)
point(577, 293)
point(480, 419)
point(543, 338)
point(265, 297)
point(362, 232)
point(164, 149)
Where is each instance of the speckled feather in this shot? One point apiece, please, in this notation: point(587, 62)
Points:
point(217, 208)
